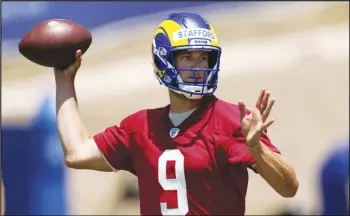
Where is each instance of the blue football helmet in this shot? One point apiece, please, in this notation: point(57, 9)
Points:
point(185, 32)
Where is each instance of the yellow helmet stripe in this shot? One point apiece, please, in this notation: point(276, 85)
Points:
point(171, 26)
point(214, 42)
point(158, 31)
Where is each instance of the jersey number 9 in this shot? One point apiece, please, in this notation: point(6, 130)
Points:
point(178, 183)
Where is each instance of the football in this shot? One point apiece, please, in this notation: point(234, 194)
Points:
point(54, 42)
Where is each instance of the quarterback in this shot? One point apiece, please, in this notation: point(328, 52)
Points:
point(192, 156)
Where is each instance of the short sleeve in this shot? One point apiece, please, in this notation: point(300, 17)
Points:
point(114, 145)
point(238, 152)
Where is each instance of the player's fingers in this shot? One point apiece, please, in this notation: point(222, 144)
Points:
point(259, 101)
point(266, 113)
point(242, 109)
point(77, 63)
point(72, 69)
point(264, 102)
point(267, 124)
point(76, 67)
point(78, 59)
point(256, 116)
point(78, 54)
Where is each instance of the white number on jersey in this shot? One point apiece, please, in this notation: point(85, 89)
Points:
point(178, 183)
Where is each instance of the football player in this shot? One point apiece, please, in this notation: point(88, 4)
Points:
point(191, 156)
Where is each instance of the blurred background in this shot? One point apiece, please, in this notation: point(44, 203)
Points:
point(297, 50)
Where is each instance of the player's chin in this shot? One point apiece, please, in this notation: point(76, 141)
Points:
point(178, 95)
point(183, 97)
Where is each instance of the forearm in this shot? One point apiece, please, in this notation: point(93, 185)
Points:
point(276, 171)
point(70, 127)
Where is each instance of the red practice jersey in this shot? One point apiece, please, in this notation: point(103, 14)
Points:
point(197, 168)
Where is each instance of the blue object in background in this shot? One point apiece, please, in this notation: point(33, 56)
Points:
point(33, 166)
point(334, 180)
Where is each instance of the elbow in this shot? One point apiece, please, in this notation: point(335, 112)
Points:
point(71, 162)
point(291, 190)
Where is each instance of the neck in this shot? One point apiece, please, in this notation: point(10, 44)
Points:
point(179, 103)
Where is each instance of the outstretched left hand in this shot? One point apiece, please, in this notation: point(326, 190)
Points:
point(255, 123)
